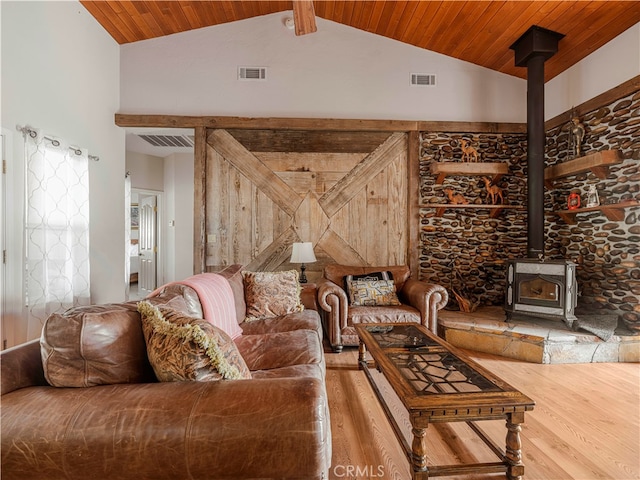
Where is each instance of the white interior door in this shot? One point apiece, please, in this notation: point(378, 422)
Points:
point(148, 244)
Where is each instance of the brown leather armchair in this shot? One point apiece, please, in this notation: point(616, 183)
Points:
point(420, 302)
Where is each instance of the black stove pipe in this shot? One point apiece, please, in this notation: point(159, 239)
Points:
point(532, 49)
point(536, 139)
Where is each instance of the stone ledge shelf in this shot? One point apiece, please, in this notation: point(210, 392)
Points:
point(535, 341)
point(613, 211)
point(495, 209)
point(598, 163)
point(495, 170)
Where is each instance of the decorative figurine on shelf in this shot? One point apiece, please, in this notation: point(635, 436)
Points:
point(469, 153)
point(576, 136)
point(494, 192)
point(455, 199)
point(573, 202)
point(592, 197)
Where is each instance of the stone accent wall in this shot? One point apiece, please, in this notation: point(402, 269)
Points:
point(607, 253)
point(465, 248)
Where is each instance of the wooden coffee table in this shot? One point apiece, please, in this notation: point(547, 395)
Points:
point(438, 383)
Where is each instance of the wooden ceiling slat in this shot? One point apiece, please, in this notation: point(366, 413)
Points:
point(506, 61)
point(391, 15)
point(406, 16)
point(360, 13)
point(130, 10)
point(110, 21)
point(443, 20)
point(336, 14)
point(492, 34)
point(415, 32)
point(347, 13)
point(464, 26)
point(477, 34)
point(585, 43)
point(147, 20)
point(518, 22)
point(172, 18)
point(377, 17)
point(191, 15)
point(475, 31)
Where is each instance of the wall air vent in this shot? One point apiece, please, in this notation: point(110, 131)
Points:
point(252, 73)
point(169, 140)
point(423, 79)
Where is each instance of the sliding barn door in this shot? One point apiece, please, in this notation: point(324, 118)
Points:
point(346, 192)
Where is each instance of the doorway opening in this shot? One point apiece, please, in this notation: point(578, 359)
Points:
point(145, 259)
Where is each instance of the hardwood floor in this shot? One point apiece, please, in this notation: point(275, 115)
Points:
point(585, 424)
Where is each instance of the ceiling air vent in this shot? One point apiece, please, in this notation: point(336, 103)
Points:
point(252, 73)
point(169, 140)
point(426, 79)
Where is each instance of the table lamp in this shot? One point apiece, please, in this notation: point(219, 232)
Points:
point(302, 253)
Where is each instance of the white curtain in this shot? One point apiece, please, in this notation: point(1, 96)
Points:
point(56, 228)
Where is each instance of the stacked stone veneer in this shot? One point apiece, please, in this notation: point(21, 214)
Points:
point(466, 249)
point(607, 253)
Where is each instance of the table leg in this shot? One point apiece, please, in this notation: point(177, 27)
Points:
point(419, 453)
point(513, 453)
point(362, 356)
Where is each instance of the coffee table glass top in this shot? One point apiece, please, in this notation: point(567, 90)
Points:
point(400, 336)
point(426, 364)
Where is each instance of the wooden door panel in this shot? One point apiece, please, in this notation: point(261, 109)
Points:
point(310, 161)
point(358, 177)
point(254, 170)
point(350, 204)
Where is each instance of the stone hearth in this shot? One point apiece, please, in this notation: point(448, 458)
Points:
point(534, 340)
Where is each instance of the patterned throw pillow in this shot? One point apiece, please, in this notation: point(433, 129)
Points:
point(386, 275)
point(183, 348)
point(271, 294)
point(372, 293)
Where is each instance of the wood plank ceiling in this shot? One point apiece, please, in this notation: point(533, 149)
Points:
point(479, 32)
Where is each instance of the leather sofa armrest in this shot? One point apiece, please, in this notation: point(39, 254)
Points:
point(278, 425)
point(428, 298)
point(21, 367)
point(334, 306)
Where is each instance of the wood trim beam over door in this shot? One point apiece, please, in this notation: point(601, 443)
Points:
point(328, 124)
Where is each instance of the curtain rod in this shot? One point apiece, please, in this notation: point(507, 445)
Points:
point(56, 143)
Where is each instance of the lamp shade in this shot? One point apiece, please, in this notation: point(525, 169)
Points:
point(302, 253)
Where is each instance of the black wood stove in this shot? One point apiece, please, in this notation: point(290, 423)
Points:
point(537, 287)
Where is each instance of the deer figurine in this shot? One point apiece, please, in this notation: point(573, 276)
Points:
point(494, 192)
point(456, 199)
point(469, 153)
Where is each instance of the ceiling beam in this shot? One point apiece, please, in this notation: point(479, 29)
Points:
point(318, 124)
point(304, 17)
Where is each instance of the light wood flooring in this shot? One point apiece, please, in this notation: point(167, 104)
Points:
point(585, 424)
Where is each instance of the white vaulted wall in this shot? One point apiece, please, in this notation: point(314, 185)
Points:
point(611, 65)
point(60, 73)
point(337, 72)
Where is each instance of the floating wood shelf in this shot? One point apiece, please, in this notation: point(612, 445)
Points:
point(613, 211)
point(495, 170)
point(598, 163)
point(496, 209)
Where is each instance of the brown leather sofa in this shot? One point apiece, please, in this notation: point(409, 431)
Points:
point(274, 425)
point(420, 303)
